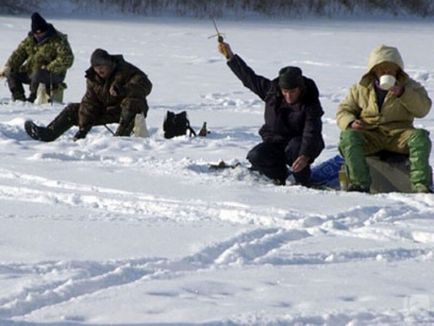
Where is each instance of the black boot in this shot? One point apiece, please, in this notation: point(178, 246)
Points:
point(36, 132)
point(65, 120)
point(302, 178)
point(31, 98)
point(17, 96)
point(15, 83)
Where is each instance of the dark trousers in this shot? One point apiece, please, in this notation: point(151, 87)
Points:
point(272, 159)
point(71, 114)
point(17, 79)
point(70, 117)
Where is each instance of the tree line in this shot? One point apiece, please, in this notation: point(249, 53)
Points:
point(223, 8)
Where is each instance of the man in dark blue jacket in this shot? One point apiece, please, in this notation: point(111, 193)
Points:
point(292, 133)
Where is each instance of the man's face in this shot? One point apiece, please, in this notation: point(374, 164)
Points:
point(291, 96)
point(386, 68)
point(39, 34)
point(103, 71)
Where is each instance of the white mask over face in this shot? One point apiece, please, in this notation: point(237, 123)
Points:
point(386, 82)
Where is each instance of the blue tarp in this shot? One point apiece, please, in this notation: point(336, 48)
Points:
point(326, 174)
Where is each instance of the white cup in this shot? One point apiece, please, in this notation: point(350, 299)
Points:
point(387, 82)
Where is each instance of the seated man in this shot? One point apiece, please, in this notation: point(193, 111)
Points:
point(291, 134)
point(116, 91)
point(43, 56)
point(378, 114)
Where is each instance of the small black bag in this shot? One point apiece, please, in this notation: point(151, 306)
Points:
point(176, 124)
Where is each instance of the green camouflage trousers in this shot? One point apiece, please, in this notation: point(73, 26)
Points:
point(356, 144)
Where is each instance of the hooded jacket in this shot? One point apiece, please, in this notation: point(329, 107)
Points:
point(131, 84)
point(53, 52)
point(283, 121)
point(396, 112)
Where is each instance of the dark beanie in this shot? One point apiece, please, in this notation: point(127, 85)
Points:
point(38, 23)
point(101, 57)
point(290, 78)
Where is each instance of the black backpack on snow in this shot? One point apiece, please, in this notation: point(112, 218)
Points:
point(176, 124)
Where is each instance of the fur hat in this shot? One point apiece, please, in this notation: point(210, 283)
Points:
point(101, 57)
point(38, 23)
point(290, 77)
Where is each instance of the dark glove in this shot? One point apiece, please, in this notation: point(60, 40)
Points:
point(81, 133)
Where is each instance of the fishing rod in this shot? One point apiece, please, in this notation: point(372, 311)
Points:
point(111, 131)
point(219, 35)
point(220, 38)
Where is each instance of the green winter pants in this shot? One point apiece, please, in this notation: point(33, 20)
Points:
point(356, 144)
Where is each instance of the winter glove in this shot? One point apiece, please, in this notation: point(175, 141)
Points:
point(81, 133)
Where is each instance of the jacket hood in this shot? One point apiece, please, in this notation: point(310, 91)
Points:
point(381, 54)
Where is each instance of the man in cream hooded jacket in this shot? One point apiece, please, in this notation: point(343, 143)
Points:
point(374, 117)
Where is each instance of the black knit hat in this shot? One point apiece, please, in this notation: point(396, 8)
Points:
point(38, 23)
point(101, 57)
point(290, 78)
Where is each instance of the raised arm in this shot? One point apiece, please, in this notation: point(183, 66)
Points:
point(257, 84)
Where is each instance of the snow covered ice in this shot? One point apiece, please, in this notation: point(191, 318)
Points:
point(138, 231)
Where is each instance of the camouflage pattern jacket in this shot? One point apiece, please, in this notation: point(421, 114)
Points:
point(53, 52)
point(132, 86)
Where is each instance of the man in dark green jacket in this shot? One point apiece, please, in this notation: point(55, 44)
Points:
point(43, 56)
point(115, 92)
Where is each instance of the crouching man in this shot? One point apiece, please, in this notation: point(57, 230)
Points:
point(292, 133)
point(43, 57)
point(116, 91)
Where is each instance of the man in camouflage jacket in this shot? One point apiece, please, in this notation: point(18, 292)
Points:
point(43, 56)
point(116, 91)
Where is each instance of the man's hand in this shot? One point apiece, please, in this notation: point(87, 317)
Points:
point(397, 90)
point(4, 72)
point(81, 133)
point(116, 90)
point(113, 91)
point(357, 124)
point(300, 163)
point(225, 49)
